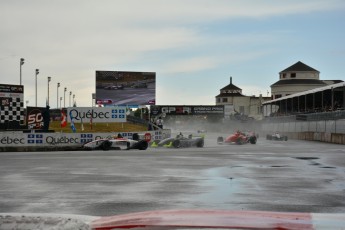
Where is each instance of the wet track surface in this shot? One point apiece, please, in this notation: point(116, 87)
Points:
point(291, 175)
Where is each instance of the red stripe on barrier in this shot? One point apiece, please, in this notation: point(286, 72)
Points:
point(207, 219)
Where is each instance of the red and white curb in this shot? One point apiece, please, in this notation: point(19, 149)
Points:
point(167, 219)
point(222, 219)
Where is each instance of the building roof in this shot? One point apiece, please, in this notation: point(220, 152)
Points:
point(230, 87)
point(299, 67)
point(299, 82)
point(329, 82)
point(327, 87)
point(230, 95)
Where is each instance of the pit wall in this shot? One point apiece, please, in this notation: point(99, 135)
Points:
point(19, 141)
point(331, 131)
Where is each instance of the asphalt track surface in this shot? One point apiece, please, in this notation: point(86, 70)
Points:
point(292, 176)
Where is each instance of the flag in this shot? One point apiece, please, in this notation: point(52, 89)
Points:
point(63, 119)
point(72, 122)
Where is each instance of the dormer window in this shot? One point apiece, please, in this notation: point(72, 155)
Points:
point(293, 75)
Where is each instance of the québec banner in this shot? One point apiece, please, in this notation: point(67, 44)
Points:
point(96, 114)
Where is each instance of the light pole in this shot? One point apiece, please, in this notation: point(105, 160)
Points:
point(70, 94)
point(64, 97)
point(57, 95)
point(49, 79)
point(60, 101)
point(27, 102)
point(73, 99)
point(21, 63)
point(37, 72)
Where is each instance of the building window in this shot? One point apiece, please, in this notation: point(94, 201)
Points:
point(277, 96)
point(293, 75)
point(225, 99)
point(218, 100)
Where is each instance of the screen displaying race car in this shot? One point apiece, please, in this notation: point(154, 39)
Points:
point(181, 141)
point(125, 88)
point(239, 138)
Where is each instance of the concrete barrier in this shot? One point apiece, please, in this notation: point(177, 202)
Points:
point(20, 141)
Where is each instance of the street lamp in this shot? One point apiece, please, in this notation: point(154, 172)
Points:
point(49, 79)
point(37, 72)
point(70, 93)
point(64, 97)
point(21, 63)
point(57, 95)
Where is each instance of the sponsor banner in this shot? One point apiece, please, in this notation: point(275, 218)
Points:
point(14, 89)
point(96, 114)
point(19, 139)
point(11, 105)
point(34, 117)
point(188, 110)
point(206, 110)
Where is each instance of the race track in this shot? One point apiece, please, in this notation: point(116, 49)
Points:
point(296, 176)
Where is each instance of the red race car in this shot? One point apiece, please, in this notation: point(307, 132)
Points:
point(239, 138)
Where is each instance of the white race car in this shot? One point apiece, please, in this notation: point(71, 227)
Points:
point(276, 137)
point(116, 144)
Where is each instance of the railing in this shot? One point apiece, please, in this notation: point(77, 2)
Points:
point(334, 115)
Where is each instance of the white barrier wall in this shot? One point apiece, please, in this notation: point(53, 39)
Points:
point(327, 126)
point(20, 139)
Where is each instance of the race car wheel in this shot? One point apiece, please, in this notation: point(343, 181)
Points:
point(143, 145)
point(285, 138)
point(177, 144)
point(105, 145)
point(200, 144)
point(220, 140)
point(128, 146)
point(252, 140)
point(268, 137)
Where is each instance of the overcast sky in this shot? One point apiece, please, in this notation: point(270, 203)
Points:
point(194, 46)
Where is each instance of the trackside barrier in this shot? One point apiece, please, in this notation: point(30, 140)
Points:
point(20, 139)
point(332, 131)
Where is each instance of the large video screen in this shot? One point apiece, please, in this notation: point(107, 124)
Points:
point(125, 88)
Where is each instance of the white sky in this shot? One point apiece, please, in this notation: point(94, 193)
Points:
point(194, 46)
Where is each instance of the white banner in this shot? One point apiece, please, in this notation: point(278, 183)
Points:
point(19, 139)
point(96, 114)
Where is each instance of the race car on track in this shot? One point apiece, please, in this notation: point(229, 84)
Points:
point(118, 143)
point(239, 138)
point(180, 141)
point(276, 137)
point(114, 87)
